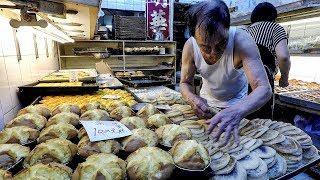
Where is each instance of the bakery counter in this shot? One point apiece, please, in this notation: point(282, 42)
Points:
point(165, 143)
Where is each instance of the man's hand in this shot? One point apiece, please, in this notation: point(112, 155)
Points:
point(201, 107)
point(283, 82)
point(227, 121)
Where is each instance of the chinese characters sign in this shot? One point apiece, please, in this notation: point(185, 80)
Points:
point(158, 17)
point(103, 130)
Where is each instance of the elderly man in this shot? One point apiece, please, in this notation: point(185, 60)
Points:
point(227, 59)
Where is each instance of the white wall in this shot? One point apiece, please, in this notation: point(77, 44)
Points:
point(14, 73)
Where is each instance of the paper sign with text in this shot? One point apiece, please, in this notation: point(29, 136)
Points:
point(104, 130)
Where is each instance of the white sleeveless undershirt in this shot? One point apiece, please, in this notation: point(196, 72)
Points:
point(223, 85)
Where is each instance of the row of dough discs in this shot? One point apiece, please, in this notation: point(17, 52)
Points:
point(265, 150)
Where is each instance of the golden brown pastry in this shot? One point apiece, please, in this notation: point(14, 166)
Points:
point(171, 133)
point(101, 166)
point(150, 163)
point(36, 109)
point(157, 120)
point(53, 150)
point(189, 154)
point(5, 175)
point(66, 108)
point(140, 138)
point(91, 106)
point(87, 148)
point(115, 104)
point(52, 171)
point(61, 130)
point(147, 111)
point(121, 112)
point(10, 154)
point(95, 115)
point(133, 122)
point(82, 132)
point(64, 117)
point(34, 121)
point(19, 134)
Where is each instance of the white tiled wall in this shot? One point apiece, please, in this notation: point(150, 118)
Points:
point(14, 73)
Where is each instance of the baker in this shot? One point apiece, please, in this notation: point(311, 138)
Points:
point(228, 59)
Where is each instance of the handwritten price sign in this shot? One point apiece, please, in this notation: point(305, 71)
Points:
point(104, 130)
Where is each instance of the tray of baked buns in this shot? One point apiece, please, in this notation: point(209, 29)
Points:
point(309, 99)
point(158, 95)
point(41, 88)
point(83, 75)
point(172, 144)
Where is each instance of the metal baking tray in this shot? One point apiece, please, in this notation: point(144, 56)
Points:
point(300, 170)
point(32, 89)
point(145, 81)
point(298, 101)
point(85, 79)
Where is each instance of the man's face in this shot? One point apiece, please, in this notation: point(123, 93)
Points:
point(212, 48)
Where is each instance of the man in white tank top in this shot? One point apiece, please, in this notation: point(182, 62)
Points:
point(227, 59)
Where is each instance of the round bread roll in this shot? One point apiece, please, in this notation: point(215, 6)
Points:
point(171, 133)
point(82, 132)
point(133, 122)
point(101, 166)
point(189, 154)
point(5, 175)
point(34, 121)
point(147, 111)
point(64, 117)
point(140, 138)
point(150, 163)
point(121, 112)
point(238, 173)
point(157, 120)
point(19, 134)
point(36, 109)
point(53, 150)
point(61, 130)
point(66, 108)
point(10, 154)
point(45, 171)
point(92, 105)
point(87, 148)
point(95, 115)
point(115, 104)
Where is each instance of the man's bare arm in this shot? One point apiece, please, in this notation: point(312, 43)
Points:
point(283, 57)
point(255, 72)
point(188, 71)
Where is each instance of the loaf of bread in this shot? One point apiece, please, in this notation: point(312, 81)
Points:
point(64, 117)
point(157, 120)
point(101, 166)
point(147, 111)
point(60, 130)
point(140, 138)
point(36, 109)
point(5, 175)
point(115, 104)
point(52, 171)
point(95, 115)
point(133, 122)
point(19, 134)
point(171, 133)
point(190, 154)
point(150, 163)
point(82, 132)
point(121, 112)
point(34, 121)
point(66, 108)
point(53, 150)
point(87, 148)
point(10, 154)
